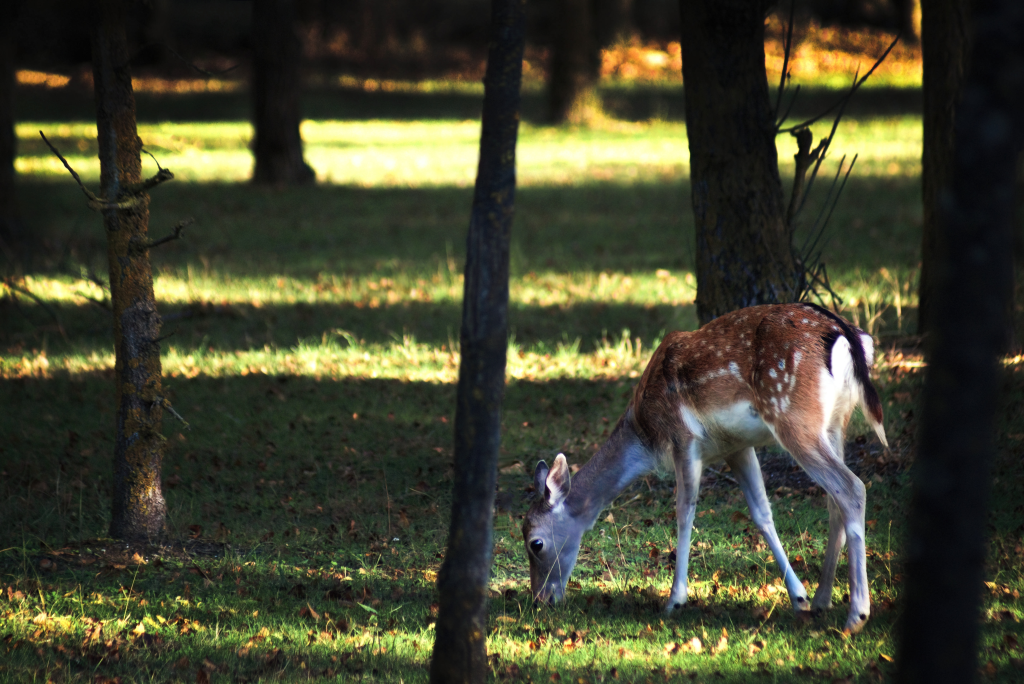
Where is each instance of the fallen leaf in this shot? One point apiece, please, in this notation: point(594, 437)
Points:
point(885, 658)
point(755, 647)
point(723, 643)
point(194, 531)
point(202, 677)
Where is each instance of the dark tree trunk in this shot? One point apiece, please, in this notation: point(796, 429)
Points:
point(11, 230)
point(946, 548)
point(460, 645)
point(744, 247)
point(575, 64)
point(945, 48)
point(139, 511)
point(276, 86)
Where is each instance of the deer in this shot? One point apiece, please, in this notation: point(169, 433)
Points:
point(790, 374)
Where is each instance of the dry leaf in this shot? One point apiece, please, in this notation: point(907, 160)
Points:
point(610, 519)
point(202, 677)
point(723, 643)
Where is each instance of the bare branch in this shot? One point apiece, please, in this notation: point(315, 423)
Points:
point(846, 98)
point(13, 286)
point(787, 46)
point(804, 157)
point(176, 235)
point(88, 193)
point(166, 405)
point(137, 189)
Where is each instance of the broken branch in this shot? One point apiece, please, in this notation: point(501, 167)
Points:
point(176, 235)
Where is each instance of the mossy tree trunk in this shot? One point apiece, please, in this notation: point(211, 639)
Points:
point(575, 64)
point(461, 633)
point(946, 552)
point(744, 246)
point(139, 510)
point(276, 87)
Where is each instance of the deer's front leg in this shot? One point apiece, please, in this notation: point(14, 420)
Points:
point(688, 468)
point(748, 473)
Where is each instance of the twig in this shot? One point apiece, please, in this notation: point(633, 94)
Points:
point(787, 46)
point(845, 98)
point(722, 475)
point(165, 404)
point(9, 282)
point(129, 196)
point(88, 193)
point(176, 235)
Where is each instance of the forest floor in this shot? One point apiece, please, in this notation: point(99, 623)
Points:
point(314, 353)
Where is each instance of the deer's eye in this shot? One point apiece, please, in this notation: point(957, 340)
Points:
point(535, 546)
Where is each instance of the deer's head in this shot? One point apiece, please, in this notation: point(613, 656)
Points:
point(551, 533)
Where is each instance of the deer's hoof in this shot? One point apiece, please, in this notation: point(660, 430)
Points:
point(855, 623)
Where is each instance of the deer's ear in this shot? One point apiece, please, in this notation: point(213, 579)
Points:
point(557, 481)
point(540, 476)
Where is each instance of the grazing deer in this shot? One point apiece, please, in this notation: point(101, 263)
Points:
point(787, 373)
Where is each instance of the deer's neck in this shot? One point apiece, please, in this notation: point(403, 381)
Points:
point(621, 460)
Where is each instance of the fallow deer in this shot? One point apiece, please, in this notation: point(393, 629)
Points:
point(787, 373)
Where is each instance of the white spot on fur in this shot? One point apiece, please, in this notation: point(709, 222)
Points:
point(782, 364)
point(772, 373)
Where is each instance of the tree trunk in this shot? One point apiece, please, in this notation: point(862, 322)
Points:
point(139, 510)
point(461, 633)
point(276, 85)
point(744, 247)
point(945, 48)
point(946, 548)
point(575, 65)
point(11, 231)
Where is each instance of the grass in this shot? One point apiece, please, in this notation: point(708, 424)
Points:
point(314, 354)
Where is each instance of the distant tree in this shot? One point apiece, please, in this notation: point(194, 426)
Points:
point(11, 231)
point(744, 250)
point(139, 511)
point(276, 86)
point(575, 64)
point(461, 631)
point(945, 48)
point(947, 535)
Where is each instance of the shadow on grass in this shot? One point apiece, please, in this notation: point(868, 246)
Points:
point(627, 103)
point(242, 327)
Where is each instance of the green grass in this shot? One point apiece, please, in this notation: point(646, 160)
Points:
point(314, 355)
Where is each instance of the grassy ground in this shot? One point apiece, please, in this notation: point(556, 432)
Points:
point(313, 355)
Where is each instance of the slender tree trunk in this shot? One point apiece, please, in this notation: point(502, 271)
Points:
point(138, 508)
point(946, 549)
point(461, 633)
point(575, 64)
point(945, 48)
point(744, 247)
point(11, 231)
point(277, 145)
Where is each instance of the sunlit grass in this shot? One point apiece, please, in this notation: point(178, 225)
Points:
point(444, 153)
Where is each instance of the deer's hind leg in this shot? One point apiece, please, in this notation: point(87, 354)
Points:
point(745, 467)
point(822, 459)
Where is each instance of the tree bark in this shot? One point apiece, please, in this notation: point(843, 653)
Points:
point(744, 246)
point(946, 548)
point(945, 49)
point(139, 510)
point(11, 229)
point(276, 86)
point(461, 634)
point(575, 65)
